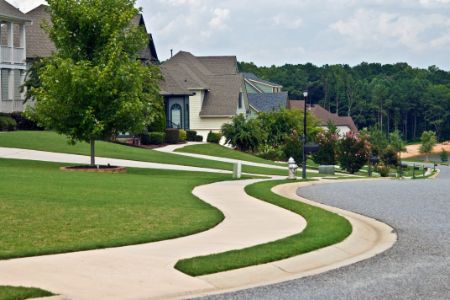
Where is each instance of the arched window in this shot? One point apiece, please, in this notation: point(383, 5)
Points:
point(175, 115)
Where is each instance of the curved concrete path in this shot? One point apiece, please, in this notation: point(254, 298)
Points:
point(172, 148)
point(146, 271)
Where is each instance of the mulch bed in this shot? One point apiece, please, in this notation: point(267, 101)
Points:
point(96, 169)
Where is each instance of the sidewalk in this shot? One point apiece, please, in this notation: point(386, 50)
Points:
point(146, 271)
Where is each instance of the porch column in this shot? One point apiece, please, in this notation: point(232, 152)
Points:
point(11, 40)
point(23, 42)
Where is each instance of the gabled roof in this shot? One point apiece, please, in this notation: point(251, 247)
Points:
point(323, 115)
point(7, 11)
point(253, 77)
point(217, 76)
point(38, 41)
point(268, 102)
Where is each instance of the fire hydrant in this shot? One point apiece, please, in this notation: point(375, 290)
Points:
point(292, 168)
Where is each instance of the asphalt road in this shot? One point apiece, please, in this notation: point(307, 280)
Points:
point(418, 265)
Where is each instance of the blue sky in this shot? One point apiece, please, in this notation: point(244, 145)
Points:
point(294, 31)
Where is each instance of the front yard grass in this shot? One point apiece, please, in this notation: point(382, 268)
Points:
point(45, 210)
point(324, 228)
point(21, 293)
point(53, 142)
point(222, 151)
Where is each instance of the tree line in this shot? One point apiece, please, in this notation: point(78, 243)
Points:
point(389, 97)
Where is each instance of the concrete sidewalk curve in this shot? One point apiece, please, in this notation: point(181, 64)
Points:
point(147, 270)
point(368, 238)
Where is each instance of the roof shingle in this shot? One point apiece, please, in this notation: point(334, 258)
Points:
point(268, 102)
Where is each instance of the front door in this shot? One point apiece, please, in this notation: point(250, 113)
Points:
point(177, 112)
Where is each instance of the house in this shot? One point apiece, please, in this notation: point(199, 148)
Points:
point(263, 95)
point(202, 93)
point(12, 57)
point(40, 45)
point(344, 124)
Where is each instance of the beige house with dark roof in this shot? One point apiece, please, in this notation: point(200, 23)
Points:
point(12, 57)
point(202, 93)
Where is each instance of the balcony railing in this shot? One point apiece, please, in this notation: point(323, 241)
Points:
point(9, 106)
point(16, 56)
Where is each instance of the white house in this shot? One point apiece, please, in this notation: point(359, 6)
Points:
point(12, 57)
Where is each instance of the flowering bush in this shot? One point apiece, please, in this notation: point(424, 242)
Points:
point(353, 152)
point(327, 142)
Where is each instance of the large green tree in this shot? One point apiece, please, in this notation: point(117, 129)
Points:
point(94, 86)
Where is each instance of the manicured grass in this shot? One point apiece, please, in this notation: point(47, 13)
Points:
point(323, 229)
point(21, 293)
point(45, 210)
point(50, 141)
point(222, 151)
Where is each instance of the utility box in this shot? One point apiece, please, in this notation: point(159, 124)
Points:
point(326, 169)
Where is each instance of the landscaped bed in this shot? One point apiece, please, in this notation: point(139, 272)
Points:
point(50, 141)
point(323, 228)
point(21, 293)
point(45, 210)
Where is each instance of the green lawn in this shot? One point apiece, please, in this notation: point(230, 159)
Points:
point(222, 151)
point(50, 141)
point(21, 293)
point(323, 229)
point(45, 210)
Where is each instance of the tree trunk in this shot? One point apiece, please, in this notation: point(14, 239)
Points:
point(92, 152)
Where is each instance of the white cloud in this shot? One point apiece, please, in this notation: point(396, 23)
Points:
point(220, 16)
point(370, 28)
point(287, 22)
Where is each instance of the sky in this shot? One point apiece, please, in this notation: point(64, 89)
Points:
point(269, 32)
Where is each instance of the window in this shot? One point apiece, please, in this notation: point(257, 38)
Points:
point(5, 84)
point(240, 101)
point(175, 115)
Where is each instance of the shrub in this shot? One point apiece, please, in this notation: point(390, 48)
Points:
point(182, 135)
point(23, 123)
point(389, 157)
point(172, 136)
point(145, 138)
point(244, 134)
point(383, 170)
point(214, 137)
point(271, 153)
point(190, 135)
point(444, 155)
point(428, 140)
point(158, 124)
point(198, 138)
point(7, 123)
point(353, 152)
point(157, 138)
point(327, 141)
point(294, 148)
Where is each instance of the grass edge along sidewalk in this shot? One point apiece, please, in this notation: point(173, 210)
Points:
point(323, 229)
point(21, 293)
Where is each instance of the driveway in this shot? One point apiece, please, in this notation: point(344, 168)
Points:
point(417, 267)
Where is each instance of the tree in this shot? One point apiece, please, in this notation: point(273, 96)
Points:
point(353, 152)
point(397, 145)
point(428, 140)
point(244, 134)
point(444, 155)
point(94, 86)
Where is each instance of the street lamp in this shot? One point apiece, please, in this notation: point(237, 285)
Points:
point(305, 95)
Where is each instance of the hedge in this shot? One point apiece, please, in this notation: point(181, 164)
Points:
point(7, 123)
point(214, 137)
point(190, 135)
point(172, 136)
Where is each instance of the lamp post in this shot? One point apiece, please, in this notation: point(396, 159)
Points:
point(305, 95)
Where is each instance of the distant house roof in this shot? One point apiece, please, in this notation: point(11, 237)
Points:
point(323, 115)
point(253, 77)
point(7, 11)
point(39, 43)
point(268, 102)
point(216, 75)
